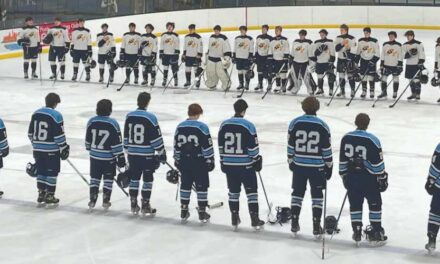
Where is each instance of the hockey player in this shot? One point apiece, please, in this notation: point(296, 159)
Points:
point(218, 60)
point(106, 53)
point(433, 188)
point(46, 133)
point(148, 52)
point(391, 64)
point(29, 40)
point(192, 55)
point(130, 45)
point(362, 169)
point(278, 57)
point(243, 57)
point(81, 49)
point(104, 143)
point(414, 53)
point(368, 53)
point(59, 42)
point(323, 53)
point(262, 44)
point(194, 158)
point(345, 46)
point(169, 53)
point(299, 61)
point(240, 159)
point(4, 147)
point(436, 63)
point(144, 145)
point(309, 155)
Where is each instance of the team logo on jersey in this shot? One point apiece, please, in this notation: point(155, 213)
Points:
point(133, 42)
point(215, 44)
point(243, 45)
point(57, 34)
point(31, 34)
point(81, 37)
point(169, 41)
point(392, 52)
point(262, 45)
point(278, 46)
point(192, 44)
point(300, 49)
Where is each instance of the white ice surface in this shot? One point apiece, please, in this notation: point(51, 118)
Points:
point(69, 234)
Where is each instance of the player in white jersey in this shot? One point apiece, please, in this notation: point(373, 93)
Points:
point(391, 64)
point(129, 55)
point(106, 53)
point(243, 57)
point(262, 44)
point(169, 53)
point(218, 60)
point(148, 53)
point(323, 54)
point(59, 42)
point(414, 53)
point(192, 55)
point(299, 62)
point(29, 39)
point(278, 57)
point(368, 52)
point(436, 80)
point(345, 46)
point(81, 49)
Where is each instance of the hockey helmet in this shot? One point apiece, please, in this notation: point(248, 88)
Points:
point(284, 214)
point(250, 74)
point(31, 169)
point(435, 82)
point(48, 39)
point(123, 179)
point(173, 176)
point(331, 225)
point(424, 77)
point(92, 64)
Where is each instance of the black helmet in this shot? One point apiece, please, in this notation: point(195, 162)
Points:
point(31, 169)
point(331, 225)
point(173, 176)
point(92, 64)
point(284, 214)
point(123, 179)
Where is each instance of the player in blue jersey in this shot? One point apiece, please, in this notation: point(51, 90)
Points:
point(144, 145)
point(240, 159)
point(194, 158)
point(309, 155)
point(4, 147)
point(104, 143)
point(433, 188)
point(46, 133)
point(362, 169)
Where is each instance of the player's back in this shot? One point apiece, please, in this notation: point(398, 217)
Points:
point(309, 142)
point(46, 130)
point(197, 134)
point(103, 138)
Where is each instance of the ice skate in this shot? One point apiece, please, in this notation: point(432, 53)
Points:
point(376, 236)
point(41, 198)
point(235, 220)
point(357, 235)
point(74, 77)
point(26, 75)
point(203, 215)
point(317, 229)
point(101, 79)
point(430, 246)
point(34, 76)
point(51, 201)
point(134, 206)
point(256, 223)
point(87, 76)
point(383, 95)
point(146, 209)
point(295, 228)
point(136, 80)
point(184, 213)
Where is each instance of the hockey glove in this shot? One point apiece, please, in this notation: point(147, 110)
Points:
point(177, 165)
point(421, 66)
point(183, 58)
point(72, 53)
point(258, 163)
point(65, 151)
point(156, 162)
point(429, 186)
point(120, 161)
point(161, 56)
point(371, 64)
point(291, 164)
point(122, 56)
point(328, 172)
point(344, 181)
point(162, 157)
point(90, 53)
point(210, 165)
point(383, 182)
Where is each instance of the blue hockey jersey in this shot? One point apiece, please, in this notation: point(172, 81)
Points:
point(4, 147)
point(196, 132)
point(103, 138)
point(434, 170)
point(46, 130)
point(364, 145)
point(309, 142)
point(142, 135)
point(238, 142)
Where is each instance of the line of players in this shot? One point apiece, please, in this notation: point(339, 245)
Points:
point(309, 154)
point(275, 60)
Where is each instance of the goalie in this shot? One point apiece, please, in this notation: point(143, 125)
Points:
point(218, 61)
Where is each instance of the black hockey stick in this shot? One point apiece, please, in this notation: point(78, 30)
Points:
point(242, 91)
point(131, 70)
point(269, 205)
point(334, 93)
point(336, 230)
point(228, 86)
point(273, 80)
point(59, 70)
point(84, 68)
point(41, 71)
point(172, 78)
point(404, 90)
point(78, 172)
point(324, 226)
point(377, 99)
point(358, 86)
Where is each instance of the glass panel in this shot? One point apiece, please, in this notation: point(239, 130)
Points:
point(420, 2)
point(385, 2)
point(282, 2)
point(163, 5)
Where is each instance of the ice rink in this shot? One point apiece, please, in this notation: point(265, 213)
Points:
point(70, 234)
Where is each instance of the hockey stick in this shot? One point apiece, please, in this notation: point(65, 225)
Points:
point(358, 86)
point(273, 80)
point(59, 70)
point(41, 71)
point(269, 205)
point(78, 172)
point(172, 78)
point(404, 90)
point(334, 93)
point(187, 90)
point(228, 86)
point(324, 216)
point(377, 99)
point(339, 215)
point(131, 70)
point(84, 68)
point(242, 91)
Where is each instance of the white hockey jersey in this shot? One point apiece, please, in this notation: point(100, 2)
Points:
point(149, 44)
point(262, 45)
point(279, 48)
point(169, 43)
point(345, 46)
point(418, 57)
point(219, 47)
point(32, 33)
point(324, 51)
point(106, 42)
point(391, 55)
point(60, 36)
point(301, 50)
point(81, 39)
point(437, 56)
point(243, 47)
point(368, 49)
point(193, 45)
point(131, 42)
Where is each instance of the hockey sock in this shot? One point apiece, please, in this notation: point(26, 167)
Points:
point(284, 82)
point(101, 72)
point(331, 85)
point(317, 204)
point(356, 218)
point(248, 81)
point(188, 77)
point(252, 197)
point(185, 196)
point(384, 87)
point(88, 69)
point(34, 66)
point(260, 79)
point(364, 86)
point(278, 81)
point(296, 205)
point(53, 68)
point(108, 187)
point(396, 87)
point(372, 86)
point(94, 187)
point(433, 228)
point(75, 70)
point(202, 198)
point(352, 84)
point(26, 66)
point(128, 72)
point(418, 88)
point(413, 88)
point(241, 79)
point(376, 218)
point(234, 204)
point(136, 72)
point(342, 84)
point(41, 183)
point(146, 190)
point(153, 74)
point(133, 188)
point(51, 183)
point(165, 74)
point(63, 69)
point(320, 83)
